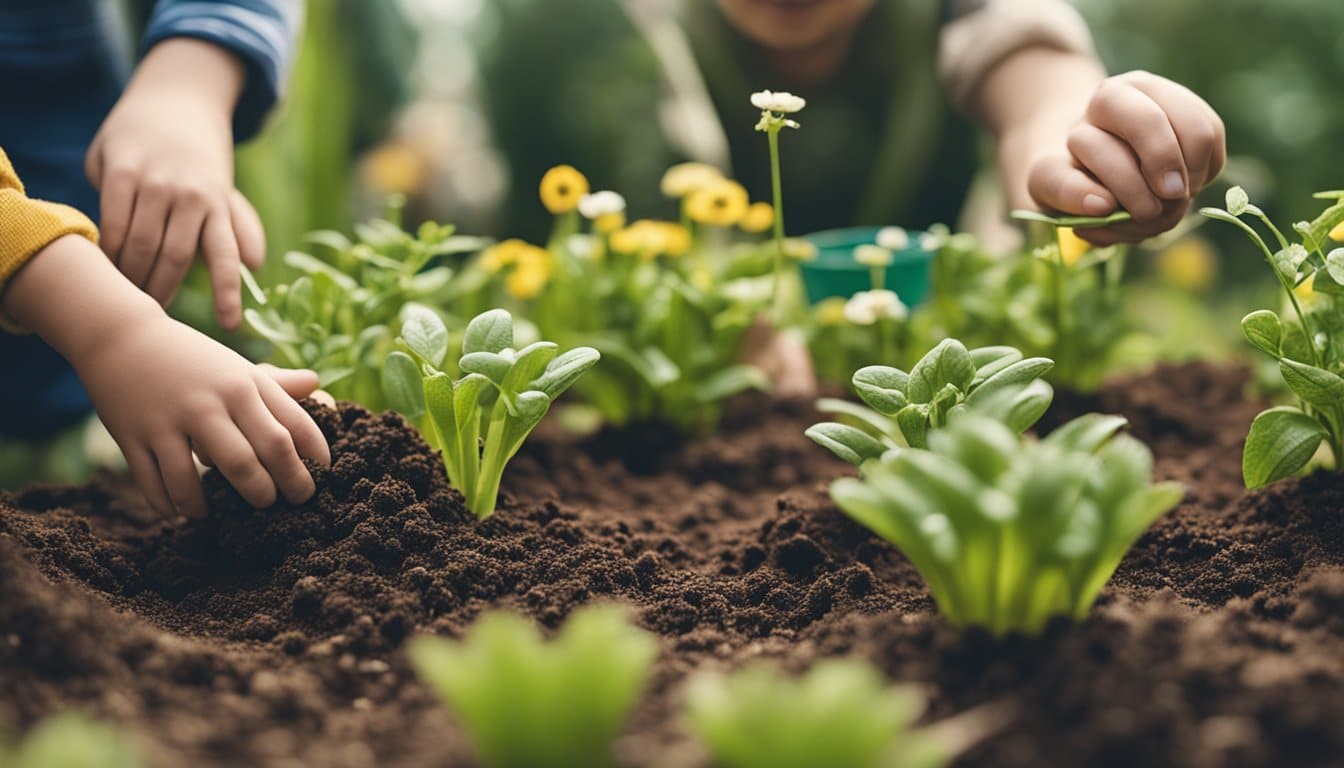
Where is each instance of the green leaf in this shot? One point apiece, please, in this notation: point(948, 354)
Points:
point(328, 376)
point(867, 417)
point(401, 384)
point(947, 363)
point(1334, 264)
point(1086, 433)
point(424, 332)
point(1314, 385)
point(313, 265)
point(1264, 330)
point(649, 363)
point(1281, 442)
point(439, 396)
point(530, 363)
point(1073, 222)
point(849, 443)
point(913, 420)
point(1028, 406)
point(268, 324)
point(299, 302)
point(1237, 201)
point(492, 365)
point(730, 381)
point(429, 282)
point(490, 331)
point(1015, 375)
point(990, 360)
point(882, 387)
point(330, 238)
point(564, 370)
point(1288, 261)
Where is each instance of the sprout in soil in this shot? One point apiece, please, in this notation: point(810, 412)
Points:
point(904, 407)
point(840, 712)
point(1309, 346)
point(1008, 531)
point(72, 740)
point(526, 703)
point(500, 399)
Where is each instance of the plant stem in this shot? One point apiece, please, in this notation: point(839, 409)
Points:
point(777, 189)
point(486, 493)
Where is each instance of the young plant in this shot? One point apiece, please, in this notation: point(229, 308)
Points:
point(72, 741)
point(774, 110)
point(1308, 344)
point(1007, 531)
point(527, 703)
point(840, 712)
point(338, 316)
point(480, 420)
point(903, 408)
point(846, 334)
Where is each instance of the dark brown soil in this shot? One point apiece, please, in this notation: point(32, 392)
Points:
point(274, 638)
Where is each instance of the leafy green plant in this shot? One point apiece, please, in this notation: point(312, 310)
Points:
point(839, 712)
point(72, 740)
point(480, 420)
point(338, 317)
point(905, 407)
point(527, 703)
point(1008, 531)
point(1308, 344)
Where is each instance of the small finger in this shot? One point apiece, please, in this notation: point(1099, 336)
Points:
point(1130, 114)
point(308, 439)
point(180, 478)
point(275, 447)
point(145, 472)
point(145, 237)
point(233, 456)
point(116, 204)
point(1200, 131)
point(298, 383)
point(176, 253)
point(219, 250)
point(248, 230)
point(1057, 184)
point(1111, 162)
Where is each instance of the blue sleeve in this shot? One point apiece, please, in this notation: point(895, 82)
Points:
point(264, 33)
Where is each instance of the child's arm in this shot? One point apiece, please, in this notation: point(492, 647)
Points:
point(161, 388)
point(1070, 139)
point(163, 159)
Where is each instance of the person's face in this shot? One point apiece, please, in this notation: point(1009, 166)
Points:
point(795, 25)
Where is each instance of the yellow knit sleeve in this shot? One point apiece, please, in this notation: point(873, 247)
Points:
point(27, 226)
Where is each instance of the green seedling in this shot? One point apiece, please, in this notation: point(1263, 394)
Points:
point(839, 712)
point(1008, 531)
point(527, 703)
point(1073, 222)
point(338, 316)
point(903, 408)
point(1308, 343)
point(72, 741)
point(480, 420)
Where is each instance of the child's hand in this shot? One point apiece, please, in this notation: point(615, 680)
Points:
point(163, 163)
point(1145, 143)
point(164, 390)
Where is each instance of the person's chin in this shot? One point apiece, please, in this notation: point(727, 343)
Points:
point(785, 24)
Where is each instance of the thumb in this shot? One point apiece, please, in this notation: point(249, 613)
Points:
point(297, 383)
point(1056, 184)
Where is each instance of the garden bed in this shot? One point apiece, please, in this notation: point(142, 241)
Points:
point(275, 638)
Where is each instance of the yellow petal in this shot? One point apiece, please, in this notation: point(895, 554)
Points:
point(1071, 246)
point(562, 188)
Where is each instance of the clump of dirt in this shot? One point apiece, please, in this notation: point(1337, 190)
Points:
point(273, 637)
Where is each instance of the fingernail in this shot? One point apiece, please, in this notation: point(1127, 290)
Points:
point(1096, 205)
point(1173, 185)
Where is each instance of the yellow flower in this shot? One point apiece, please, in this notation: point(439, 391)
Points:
point(651, 239)
point(501, 255)
point(394, 168)
point(759, 217)
point(685, 178)
point(562, 188)
point(530, 273)
point(676, 239)
point(722, 204)
point(1071, 246)
point(1337, 234)
point(609, 222)
point(1188, 263)
point(831, 312)
point(1306, 290)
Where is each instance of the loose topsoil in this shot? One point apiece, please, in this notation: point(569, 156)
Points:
point(275, 638)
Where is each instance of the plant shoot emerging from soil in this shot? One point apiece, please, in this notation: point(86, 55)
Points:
point(839, 712)
point(904, 407)
point(480, 420)
point(527, 703)
point(1009, 531)
point(1309, 347)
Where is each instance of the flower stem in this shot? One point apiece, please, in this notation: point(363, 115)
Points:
point(777, 189)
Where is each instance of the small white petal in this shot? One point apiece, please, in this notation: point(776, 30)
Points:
point(872, 255)
point(893, 238)
point(601, 203)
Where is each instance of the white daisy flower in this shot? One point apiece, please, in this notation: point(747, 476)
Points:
point(601, 204)
point(872, 256)
point(782, 102)
point(867, 307)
